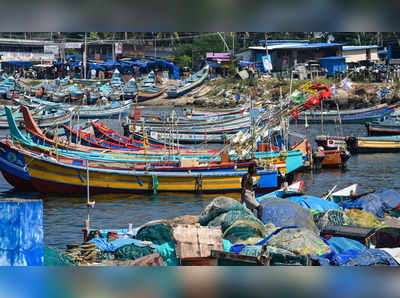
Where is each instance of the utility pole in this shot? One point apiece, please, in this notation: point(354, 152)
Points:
point(113, 47)
point(155, 44)
point(266, 42)
point(233, 43)
point(84, 58)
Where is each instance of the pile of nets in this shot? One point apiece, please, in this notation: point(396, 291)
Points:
point(362, 218)
point(245, 230)
point(332, 217)
point(236, 221)
point(282, 212)
point(158, 232)
point(54, 257)
point(300, 241)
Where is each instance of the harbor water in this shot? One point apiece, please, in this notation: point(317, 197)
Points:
point(64, 216)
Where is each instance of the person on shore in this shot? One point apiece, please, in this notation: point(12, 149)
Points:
point(248, 195)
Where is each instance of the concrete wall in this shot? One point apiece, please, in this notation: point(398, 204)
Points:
point(360, 55)
point(21, 232)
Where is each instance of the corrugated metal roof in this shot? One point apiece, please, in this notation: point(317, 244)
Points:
point(353, 48)
point(296, 46)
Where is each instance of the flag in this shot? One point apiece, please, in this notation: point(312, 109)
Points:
point(297, 97)
point(345, 84)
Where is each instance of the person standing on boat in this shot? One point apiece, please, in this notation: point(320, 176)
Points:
point(248, 195)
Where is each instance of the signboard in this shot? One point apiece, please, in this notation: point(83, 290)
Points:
point(73, 45)
point(267, 63)
point(118, 48)
point(52, 49)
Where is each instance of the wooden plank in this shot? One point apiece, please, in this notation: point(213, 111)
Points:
point(194, 241)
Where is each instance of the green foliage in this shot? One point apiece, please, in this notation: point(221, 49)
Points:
point(184, 61)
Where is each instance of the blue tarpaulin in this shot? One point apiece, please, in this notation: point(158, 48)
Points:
point(315, 203)
point(378, 202)
point(333, 65)
point(282, 212)
point(340, 244)
point(21, 63)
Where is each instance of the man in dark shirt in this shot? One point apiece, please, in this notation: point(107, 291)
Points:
point(248, 194)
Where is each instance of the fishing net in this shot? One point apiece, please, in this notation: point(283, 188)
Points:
point(227, 219)
point(243, 230)
point(132, 252)
point(362, 218)
point(299, 241)
point(283, 257)
point(282, 213)
point(332, 217)
point(217, 207)
point(54, 257)
point(158, 232)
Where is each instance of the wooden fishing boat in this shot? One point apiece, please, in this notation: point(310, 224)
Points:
point(192, 138)
point(104, 132)
point(51, 176)
point(330, 142)
point(130, 89)
point(348, 116)
point(383, 128)
point(90, 81)
point(85, 111)
point(149, 93)
point(331, 158)
point(344, 194)
point(388, 144)
point(285, 162)
point(148, 89)
point(43, 117)
point(190, 83)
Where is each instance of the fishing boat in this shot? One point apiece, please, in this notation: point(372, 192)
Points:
point(324, 158)
point(48, 175)
point(286, 162)
point(74, 92)
point(336, 158)
point(85, 111)
point(383, 128)
point(104, 132)
point(384, 144)
point(44, 117)
point(59, 96)
point(94, 95)
point(348, 116)
point(130, 89)
point(330, 142)
point(188, 84)
point(90, 81)
point(116, 80)
point(148, 89)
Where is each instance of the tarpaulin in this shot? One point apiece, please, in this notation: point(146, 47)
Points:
point(315, 203)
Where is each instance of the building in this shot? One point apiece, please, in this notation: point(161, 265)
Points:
point(218, 62)
point(358, 54)
point(286, 55)
point(27, 50)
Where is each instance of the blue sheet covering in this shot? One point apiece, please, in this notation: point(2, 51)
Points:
point(315, 203)
point(378, 202)
point(341, 244)
point(104, 245)
point(346, 252)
